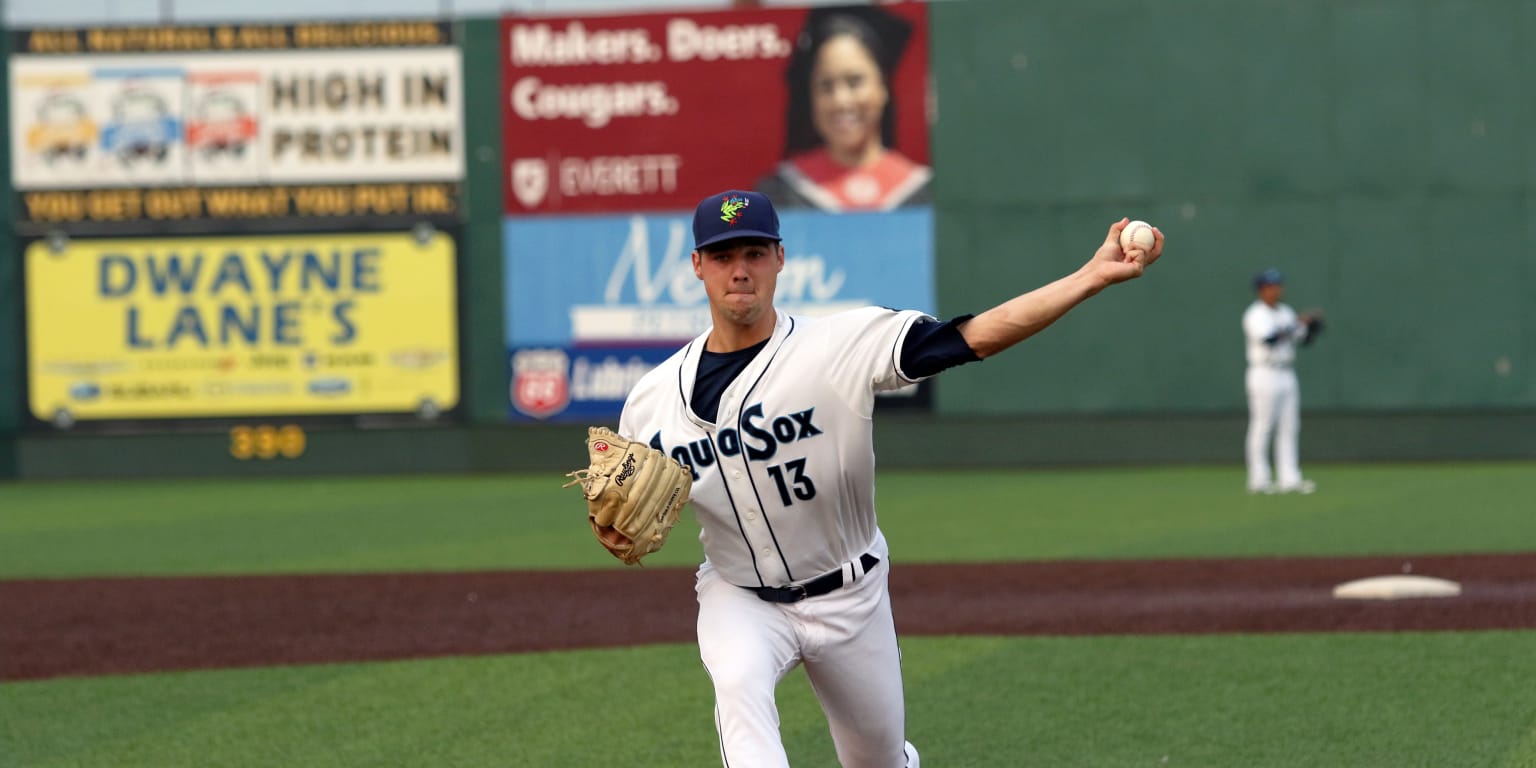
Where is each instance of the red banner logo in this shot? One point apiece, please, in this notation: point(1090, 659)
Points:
point(541, 382)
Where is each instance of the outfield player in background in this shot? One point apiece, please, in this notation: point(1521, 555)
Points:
point(772, 413)
point(1273, 331)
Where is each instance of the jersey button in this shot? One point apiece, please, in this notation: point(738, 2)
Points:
point(751, 514)
point(736, 473)
point(767, 551)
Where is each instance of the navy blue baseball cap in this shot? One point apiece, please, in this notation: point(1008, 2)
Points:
point(1269, 276)
point(732, 214)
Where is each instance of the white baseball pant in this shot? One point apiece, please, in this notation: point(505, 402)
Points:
point(1274, 412)
point(847, 641)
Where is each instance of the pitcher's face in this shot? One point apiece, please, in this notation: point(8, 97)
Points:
point(740, 277)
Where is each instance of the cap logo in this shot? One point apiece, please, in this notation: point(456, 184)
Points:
point(730, 209)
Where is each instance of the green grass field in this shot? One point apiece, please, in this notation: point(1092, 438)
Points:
point(1347, 700)
point(1352, 701)
point(298, 525)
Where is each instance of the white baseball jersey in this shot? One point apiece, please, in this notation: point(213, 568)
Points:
point(784, 481)
point(1260, 322)
point(1274, 410)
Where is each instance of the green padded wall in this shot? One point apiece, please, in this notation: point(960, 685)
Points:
point(11, 366)
point(901, 441)
point(1381, 153)
point(1378, 152)
point(480, 299)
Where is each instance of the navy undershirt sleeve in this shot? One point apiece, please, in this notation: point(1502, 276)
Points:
point(932, 346)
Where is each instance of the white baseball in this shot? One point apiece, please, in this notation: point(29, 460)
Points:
point(1137, 234)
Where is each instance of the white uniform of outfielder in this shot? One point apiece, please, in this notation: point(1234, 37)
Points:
point(1274, 398)
point(772, 413)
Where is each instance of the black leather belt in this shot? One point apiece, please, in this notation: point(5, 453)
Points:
point(816, 587)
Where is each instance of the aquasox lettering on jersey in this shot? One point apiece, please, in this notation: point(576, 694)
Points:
point(756, 438)
point(784, 480)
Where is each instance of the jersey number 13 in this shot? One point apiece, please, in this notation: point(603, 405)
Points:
point(796, 482)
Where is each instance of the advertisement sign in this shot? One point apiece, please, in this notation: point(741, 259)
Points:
point(110, 128)
point(268, 117)
point(577, 383)
point(637, 286)
point(153, 328)
point(824, 107)
point(578, 345)
point(201, 209)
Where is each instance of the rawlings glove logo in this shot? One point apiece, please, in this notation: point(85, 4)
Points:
point(627, 471)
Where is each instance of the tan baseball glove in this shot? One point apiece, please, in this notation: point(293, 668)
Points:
point(634, 493)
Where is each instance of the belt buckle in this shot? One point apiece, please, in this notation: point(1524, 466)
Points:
point(799, 591)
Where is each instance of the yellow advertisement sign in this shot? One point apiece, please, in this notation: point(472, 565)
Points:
point(241, 326)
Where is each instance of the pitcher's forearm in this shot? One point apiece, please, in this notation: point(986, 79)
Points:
point(1023, 316)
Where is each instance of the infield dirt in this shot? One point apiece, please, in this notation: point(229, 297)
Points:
point(74, 627)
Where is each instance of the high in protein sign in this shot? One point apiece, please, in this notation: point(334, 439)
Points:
point(193, 123)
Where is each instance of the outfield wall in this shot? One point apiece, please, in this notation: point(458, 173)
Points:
point(1255, 134)
point(901, 441)
point(1370, 150)
point(12, 372)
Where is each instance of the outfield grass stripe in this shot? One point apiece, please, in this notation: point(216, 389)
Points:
point(446, 523)
point(1260, 701)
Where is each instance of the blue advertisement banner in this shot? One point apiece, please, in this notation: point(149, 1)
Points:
point(594, 302)
point(625, 280)
point(586, 384)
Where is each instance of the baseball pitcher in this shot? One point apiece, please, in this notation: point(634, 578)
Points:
point(770, 415)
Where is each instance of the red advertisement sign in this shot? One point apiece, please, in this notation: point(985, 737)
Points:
point(822, 107)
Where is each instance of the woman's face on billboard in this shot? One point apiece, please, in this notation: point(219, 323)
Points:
point(848, 97)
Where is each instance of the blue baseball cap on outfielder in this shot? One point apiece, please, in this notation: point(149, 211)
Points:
point(1269, 276)
point(732, 214)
